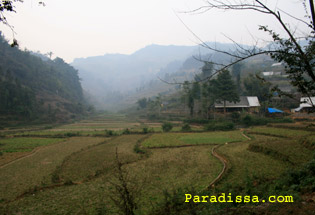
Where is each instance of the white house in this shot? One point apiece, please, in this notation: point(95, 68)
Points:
point(306, 103)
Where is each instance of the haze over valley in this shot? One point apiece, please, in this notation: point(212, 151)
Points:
point(166, 107)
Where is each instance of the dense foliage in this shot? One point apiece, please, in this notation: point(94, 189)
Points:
point(30, 86)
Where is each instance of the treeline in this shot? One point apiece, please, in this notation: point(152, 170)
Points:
point(197, 98)
point(27, 83)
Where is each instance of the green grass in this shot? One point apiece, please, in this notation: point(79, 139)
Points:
point(151, 175)
point(99, 159)
point(290, 149)
point(25, 144)
point(179, 139)
point(36, 169)
point(279, 131)
point(89, 162)
point(172, 169)
point(244, 163)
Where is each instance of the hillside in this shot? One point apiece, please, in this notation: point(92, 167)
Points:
point(116, 80)
point(33, 89)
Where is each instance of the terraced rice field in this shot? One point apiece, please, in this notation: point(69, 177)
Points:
point(182, 139)
point(78, 175)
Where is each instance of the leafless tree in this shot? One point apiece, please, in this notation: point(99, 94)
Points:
point(299, 61)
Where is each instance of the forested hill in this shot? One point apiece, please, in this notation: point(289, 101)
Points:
point(33, 88)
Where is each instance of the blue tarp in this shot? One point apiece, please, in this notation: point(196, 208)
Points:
point(274, 110)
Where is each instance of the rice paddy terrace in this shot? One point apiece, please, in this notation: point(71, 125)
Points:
point(72, 169)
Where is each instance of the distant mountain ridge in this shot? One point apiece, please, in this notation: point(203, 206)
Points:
point(121, 75)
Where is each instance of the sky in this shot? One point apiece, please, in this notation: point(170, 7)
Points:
point(76, 28)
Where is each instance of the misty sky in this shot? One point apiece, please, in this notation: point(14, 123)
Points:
point(77, 28)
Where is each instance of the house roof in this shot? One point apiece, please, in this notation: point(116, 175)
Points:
point(245, 102)
point(306, 102)
point(276, 64)
point(253, 101)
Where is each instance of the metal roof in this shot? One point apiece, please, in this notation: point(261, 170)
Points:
point(245, 102)
point(253, 101)
point(306, 102)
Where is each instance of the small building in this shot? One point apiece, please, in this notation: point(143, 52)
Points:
point(276, 64)
point(306, 104)
point(246, 103)
point(271, 73)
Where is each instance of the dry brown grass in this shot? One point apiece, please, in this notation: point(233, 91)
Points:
point(244, 163)
point(36, 170)
point(171, 169)
point(99, 159)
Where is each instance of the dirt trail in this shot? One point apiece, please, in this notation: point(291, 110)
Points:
point(33, 152)
point(222, 160)
point(244, 135)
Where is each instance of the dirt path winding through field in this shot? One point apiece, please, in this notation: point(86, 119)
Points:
point(223, 160)
point(33, 152)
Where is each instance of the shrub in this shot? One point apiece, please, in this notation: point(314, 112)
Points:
point(126, 131)
point(137, 149)
point(109, 133)
point(220, 126)
point(186, 127)
point(167, 126)
point(247, 120)
point(71, 134)
point(197, 121)
point(235, 116)
point(145, 130)
point(68, 182)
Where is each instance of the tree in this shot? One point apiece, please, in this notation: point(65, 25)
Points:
point(142, 103)
point(236, 72)
point(191, 93)
point(255, 87)
point(206, 71)
point(299, 60)
point(225, 89)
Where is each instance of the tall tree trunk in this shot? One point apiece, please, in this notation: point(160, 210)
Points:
point(224, 108)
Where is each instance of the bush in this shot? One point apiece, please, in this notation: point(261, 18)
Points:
point(68, 182)
point(197, 121)
point(126, 131)
point(247, 120)
point(137, 149)
point(220, 126)
point(167, 126)
point(235, 116)
point(250, 120)
point(109, 133)
point(145, 130)
point(71, 134)
point(186, 127)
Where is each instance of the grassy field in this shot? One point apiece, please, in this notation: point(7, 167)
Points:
point(99, 159)
point(14, 148)
point(36, 170)
point(180, 139)
point(285, 132)
point(25, 144)
point(78, 174)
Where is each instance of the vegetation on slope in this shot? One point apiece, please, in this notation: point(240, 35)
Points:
point(35, 88)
